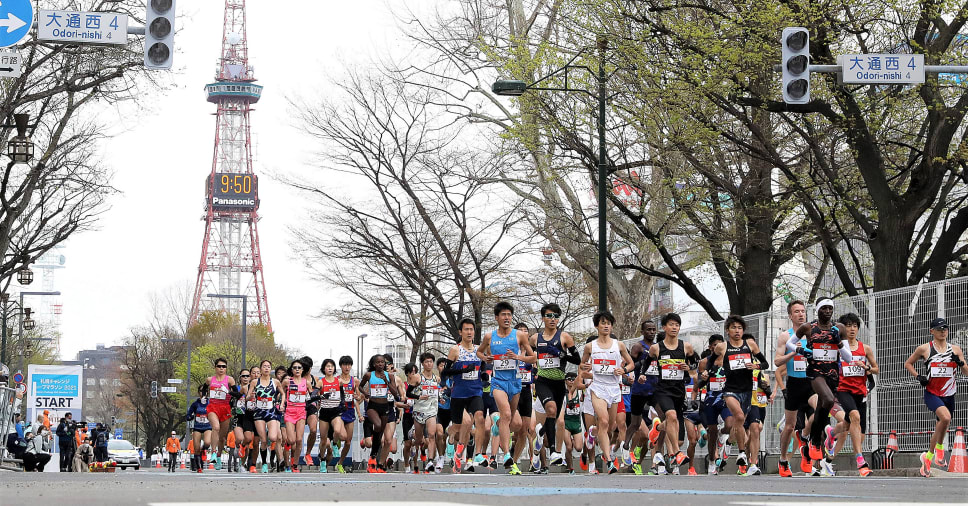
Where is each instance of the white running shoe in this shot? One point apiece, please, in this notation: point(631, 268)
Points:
point(826, 468)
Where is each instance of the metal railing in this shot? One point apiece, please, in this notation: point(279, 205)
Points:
point(9, 404)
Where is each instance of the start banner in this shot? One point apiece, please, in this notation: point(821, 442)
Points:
point(55, 388)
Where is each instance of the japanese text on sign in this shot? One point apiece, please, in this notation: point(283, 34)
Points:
point(83, 27)
point(882, 68)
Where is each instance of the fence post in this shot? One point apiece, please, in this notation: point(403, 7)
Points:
point(872, 398)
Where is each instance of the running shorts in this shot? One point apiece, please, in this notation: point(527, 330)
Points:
point(248, 422)
point(224, 411)
point(573, 425)
point(756, 414)
point(393, 413)
point(693, 416)
point(638, 403)
point(933, 402)
point(548, 390)
point(443, 417)
point(382, 409)
point(525, 405)
point(798, 392)
point(667, 403)
point(471, 404)
point(712, 412)
point(294, 415)
point(407, 425)
point(311, 410)
point(348, 415)
point(853, 402)
point(621, 406)
point(744, 399)
point(511, 386)
point(329, 414)
point(489, 405)
point(422, 418)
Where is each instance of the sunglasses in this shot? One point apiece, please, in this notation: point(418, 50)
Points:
point(245, 376)
point(552, 315)
point(221, 366)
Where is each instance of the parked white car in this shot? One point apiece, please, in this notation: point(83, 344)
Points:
point(124, 453)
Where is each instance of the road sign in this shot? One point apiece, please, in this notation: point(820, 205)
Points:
point(879, 68)
point(169, 390)
point(82, 27)
point(118, 433)
point(22, 387)
point(18, 377)
point(16, 18)
point(174, 381)
point(10, 63)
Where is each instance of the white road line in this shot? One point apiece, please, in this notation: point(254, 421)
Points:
point(306, 503)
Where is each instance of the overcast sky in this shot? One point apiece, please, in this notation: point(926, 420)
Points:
point(150, 240)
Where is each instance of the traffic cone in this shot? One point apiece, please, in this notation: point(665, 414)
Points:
point(158, 464)
point(892, 441)
point(182, 462)
point(959, 457)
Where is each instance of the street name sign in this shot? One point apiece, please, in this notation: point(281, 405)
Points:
point(82, 27)
point(16, 18)
point(11, 65)
point(174, 381)
point(169, 390)
point(882, 68)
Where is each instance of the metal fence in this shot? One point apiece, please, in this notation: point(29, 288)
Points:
point(894, 323)
point(9, 404)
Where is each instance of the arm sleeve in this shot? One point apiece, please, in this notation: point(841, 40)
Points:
point(454, 370)
point(845, 354)
point(792, 342)
point(572, 356)
point(764, 363)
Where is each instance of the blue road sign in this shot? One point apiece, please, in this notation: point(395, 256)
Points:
point(18, 378)
point(16, 18)
point(118, 434)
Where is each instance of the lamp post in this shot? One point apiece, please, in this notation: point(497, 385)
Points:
point(28, 323)
point(359, 354)
point(516, 88)
point(244, 313)
point(20, 149)
point(188, 379)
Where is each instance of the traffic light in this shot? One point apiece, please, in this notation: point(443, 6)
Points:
point(796, 65)
point(159, 34)
point(154, 389)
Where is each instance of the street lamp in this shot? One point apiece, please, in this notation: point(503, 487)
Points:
point(25, 276)
point(20, 149)
point(244, 313)
point(188, 379)
point(516, 88)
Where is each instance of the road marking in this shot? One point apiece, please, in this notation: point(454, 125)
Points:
point(307, 503)
point(530, 491)
point(835, 503)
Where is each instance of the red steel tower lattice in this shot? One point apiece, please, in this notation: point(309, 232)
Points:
point(231, 262)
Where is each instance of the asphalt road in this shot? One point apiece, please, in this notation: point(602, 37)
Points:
point(152, 487)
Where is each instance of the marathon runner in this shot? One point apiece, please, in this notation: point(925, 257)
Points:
point(736, 356)
point(312, 413)
point(641, 393)
point(425, 408)
point(571, 419)
point(607, 360)
point(265, 390)
point(525, 433)
point(202, 426)
point(942, 361)
point(797, 392)
point(250, 437)
point(376, 387)
point(554, 347)
point(466, 396)
point(331, 402)
point(237, 448)
point(222, 389)
point(446, 435)
point(350, 409)
point(504, 347)
point(670, 392)
point(296, 388)
point(713, 407)
point(826, 348)
point(852, 392)
point(756, 416)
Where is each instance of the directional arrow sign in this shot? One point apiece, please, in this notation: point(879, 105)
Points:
point(168, 390)
point(10, 63)
point(16, 18)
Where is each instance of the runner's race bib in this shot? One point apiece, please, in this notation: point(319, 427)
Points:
point(942, 369)
point(604, 366)
point(856, 368)
point(825, 352)
point(672, 372)
point(505, 364)
point(263, 403)
point(717, 384)
point(297, 398)
point(201, 419)
point(739, 361)
point(653, 369)
point(548, 361)
point(799, 363)
point(429, 390)
point(524, 375)
point(626, 390)
point(761, 398)
point(378, 391)
point(250, 405)
point(218, 393)
point(470, 375)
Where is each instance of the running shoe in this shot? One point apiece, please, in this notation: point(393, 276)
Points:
point(493, 463)
point(627, 458)
point(590, 438)
point(681, 459)
point(637, 468)
point(692, 471)
point(612, 468)
point(322, 466)
point(459, 465)
point(654, 431)
point(508, 461)
point(569, 471)
point(495, 430)
point(864, 469)
point(536, 461)
point(479, 460)
point(784, 470)
point(713, 470)
point(583, 462)
point(252, 469)
point(537, 440)
point(829, 441)
point(371, 465)
point(514, 470)
point(450, 451)
point(218, 463)
point(638, 453)
point(753, 471)
point(826, 468)
point(741, 459)
point(815, 452)
point(288, 469)
point(939, 460)
point(675, 471)
point(592, 470)
point(806, 466)
point(925, 469)
point(659, 464)
point(741, 470)
point(429, 468)
point(265, 468)
point(339, 468)
point(557, 459)
point(703, 435)
point(199, 470)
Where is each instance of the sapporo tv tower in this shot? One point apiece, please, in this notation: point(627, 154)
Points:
point(231, 262)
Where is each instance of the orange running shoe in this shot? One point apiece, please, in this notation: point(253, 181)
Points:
point(815, 452)
point(806, 465)
point(692, 471)
point(654, 432)
point(784, 468)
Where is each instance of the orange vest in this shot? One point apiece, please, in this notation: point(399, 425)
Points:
point(191, 446)
point(230, 440)
point(172, 445)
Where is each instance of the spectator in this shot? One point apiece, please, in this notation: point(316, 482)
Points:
point(19, 425)
point(65, 442)
point(84, 457)
point(16, 446)
point(101, 443)
point(172, 446)
point(36, 455)
point(46, 420)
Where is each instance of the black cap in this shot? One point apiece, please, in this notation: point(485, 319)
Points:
point(939, 323)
